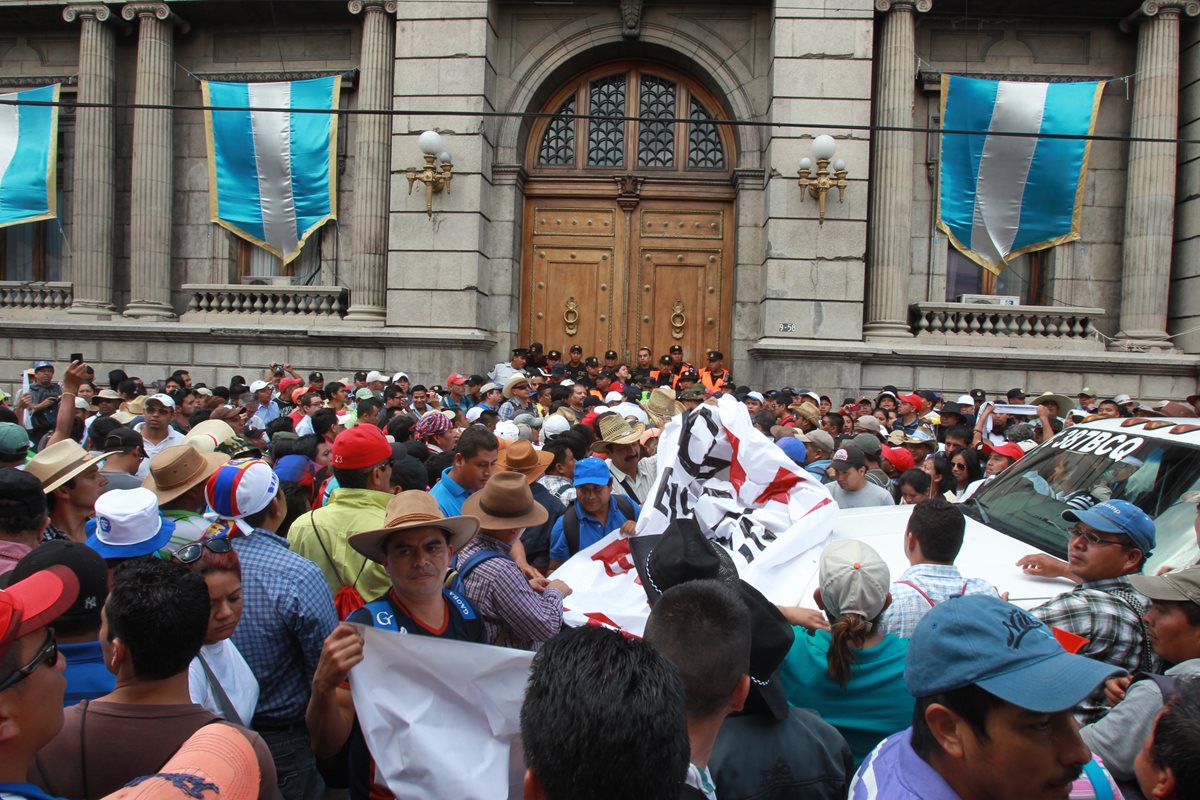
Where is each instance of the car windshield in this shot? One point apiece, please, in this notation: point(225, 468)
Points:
point(1084, 466)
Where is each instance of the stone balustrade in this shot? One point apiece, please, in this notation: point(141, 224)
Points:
point(207, 302)
point(19, 298)
point(1061, 327)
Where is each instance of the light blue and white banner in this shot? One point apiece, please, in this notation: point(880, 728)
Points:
point(272, 175)
point(28, 156)
point(1002, 196)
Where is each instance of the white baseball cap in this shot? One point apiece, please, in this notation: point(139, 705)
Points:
point(555, 424)
point(164, 399)
point(258, 386)
point(375, 375)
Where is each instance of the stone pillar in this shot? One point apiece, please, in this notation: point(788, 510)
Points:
point(892, 175)
point(1150, 188)
point(151, 191)
point(372, 164)
point(93, 195)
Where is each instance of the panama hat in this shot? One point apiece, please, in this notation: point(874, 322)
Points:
point(60, 462)
point(504, 503)
point(661, 405)
point(615, 429)
point(516, 379)
point(208, 435)
point(408, 510)
point(179, 468)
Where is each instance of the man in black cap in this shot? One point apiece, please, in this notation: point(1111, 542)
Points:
point(643, 372)
point(1016, 396)
point(591, 366)
point(23, 516)
point(610, 360)
point(715, 377)
point(535, 358)
point(768, 749)
point(553, 359)
point(979, 396)
point(502, 371)
point(316, 382)
point(576, 370)
point(678, 365)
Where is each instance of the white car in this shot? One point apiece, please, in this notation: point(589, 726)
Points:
point(1151, 462)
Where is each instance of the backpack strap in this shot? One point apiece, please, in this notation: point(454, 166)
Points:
point(920, 591)
point(223, 702)
point(571, 528)
point(382, 616)
point(329, 558)
point(1099, 780)
point(625, 505)
point(1129, 599)
point(457, 578)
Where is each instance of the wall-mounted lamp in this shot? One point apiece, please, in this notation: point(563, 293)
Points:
point(438, 168)
point(827, 177)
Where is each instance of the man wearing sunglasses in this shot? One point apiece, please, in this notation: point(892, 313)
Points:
point(31, 673)
point(1107, 543)
point(518, 393)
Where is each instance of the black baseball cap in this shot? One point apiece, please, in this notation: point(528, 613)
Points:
point(592, 361)
point(476, 380)
point(554, 354)
point(361, 375)
point(86, 563)
point(715, 355)
point(611, 355)
point(21, 494)
point(575, 348)
point(520, 351)
point(535, 347)
point(664, 360)
point(124, 439)
point(978, 395)
point(1016, 393)
point(848, 456)
point(315, 376)
point(675, 348)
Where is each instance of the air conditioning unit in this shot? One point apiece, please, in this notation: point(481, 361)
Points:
point(989, 299)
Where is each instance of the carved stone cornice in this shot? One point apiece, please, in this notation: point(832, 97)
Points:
point(359, 6)
point(884, 6)
point(159, 11)
point(96, 11)
point(1153, 8)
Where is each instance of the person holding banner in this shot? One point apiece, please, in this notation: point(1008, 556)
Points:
point(414, 546)
point(595, 513)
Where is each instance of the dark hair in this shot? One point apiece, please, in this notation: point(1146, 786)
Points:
point(282, 446)
point(198, 416)
point(23, 505)
point(974, 465)
point(559, 393)
point(420, 387)
point(8, 415)
point(392, 390)
point(307, 445)
point(400, 427)
point(353, 478)
point(281, 424)
point(838, 420)
point(160, 611)
point(299, 502)
point(221, 392)
point(332, 388)
point(591, 692)
point(308, 397)
point(764, 420)
point(488, 415)
point(941, 465)
point(475, 440)
point(938, 526)
point(916, 479)
point(99, 431)
point(959, 432)
point(368, 406)
point(969, 702)
point(684, 624)
point(559, 446)
point(115, 377)
point(323, 421)
point(1177, 736)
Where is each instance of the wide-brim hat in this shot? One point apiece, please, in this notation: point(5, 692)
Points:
point(661, 405)
point(680, 553)
point(523, 458)
point(516, 379)
point(808, 411)
point(615, 429)
point(179, 468)
point(136, 406)
point(504, 503)
point(409, 510)
point(60, 462)
point(208, 435)
point(1063, 402)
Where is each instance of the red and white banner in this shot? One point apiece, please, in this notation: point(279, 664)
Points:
point(714, 465)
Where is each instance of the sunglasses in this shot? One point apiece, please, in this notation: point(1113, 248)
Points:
point(1092, 539)
point(958, 466)
point(190, 553)
point(47, 654)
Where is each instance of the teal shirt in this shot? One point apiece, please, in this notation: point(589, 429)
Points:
point(872, 705)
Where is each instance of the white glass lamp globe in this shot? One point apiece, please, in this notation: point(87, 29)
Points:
point(806, 163)
point(444, 157)
point(824, 147)
point(839, 165)
point(430, 143)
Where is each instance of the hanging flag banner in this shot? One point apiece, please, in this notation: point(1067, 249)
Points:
point(28, 156)
point(441, 718)
point(716, 467)
point(272, 174)
point(1002, 196)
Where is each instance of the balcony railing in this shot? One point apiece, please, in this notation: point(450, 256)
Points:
point(18, 298)
point(219, 301)
point(1067, 327)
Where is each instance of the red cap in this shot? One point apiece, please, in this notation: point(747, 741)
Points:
point(1009, 449)
point(360, 447)
point(454, 379)
point(287, 383)
point(912, 399)
point(35, 603)
point(898, 457)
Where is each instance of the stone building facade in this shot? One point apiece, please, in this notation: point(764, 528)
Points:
point(615, 234)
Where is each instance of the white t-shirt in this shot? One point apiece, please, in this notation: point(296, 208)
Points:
point(869, 495)
point(173, 438)
point(234, 675)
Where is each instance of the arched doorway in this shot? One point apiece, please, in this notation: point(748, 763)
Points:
point(629, 225)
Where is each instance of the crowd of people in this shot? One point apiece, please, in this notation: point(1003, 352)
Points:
point(188, 568)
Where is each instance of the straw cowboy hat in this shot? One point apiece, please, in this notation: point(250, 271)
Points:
point(515, 380)
point(409, 510)
point(179, 468)
point(808, 411)
point(615, 429)
point(521, 457)
point(1063, 402)
point(210, 434)
point(136, 406)
point(505, 503)
point(60, 462)
point(661, 405)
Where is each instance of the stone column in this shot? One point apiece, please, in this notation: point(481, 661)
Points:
point(372, 164)
point(1150, 190)
point(93, 195)
point(891, 204)
point(151, 190)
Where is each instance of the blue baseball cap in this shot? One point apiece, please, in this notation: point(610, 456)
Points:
point(1118, 516)
point(1004, 650)
point(591, 472)
point(42, 365)
point(793, 448)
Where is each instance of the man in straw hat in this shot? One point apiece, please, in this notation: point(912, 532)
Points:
point(522, 458)
point(633, 474)
point(661, 406)
point(415, 547)
point(72, 482)
point(517, 611)
point(518, 397)
point(177, 477)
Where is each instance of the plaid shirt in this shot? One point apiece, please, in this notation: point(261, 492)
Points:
point(508, 604)
point(286, 616)
point(939, 582)
point(1114, 630)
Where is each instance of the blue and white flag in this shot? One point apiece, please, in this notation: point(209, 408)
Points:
point(272, 175)
point(28, 156)
point(1002, 196)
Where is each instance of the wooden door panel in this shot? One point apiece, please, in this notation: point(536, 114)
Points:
point(573, 222)
point(682, 223)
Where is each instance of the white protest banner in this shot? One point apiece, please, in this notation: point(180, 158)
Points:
point(714, 466)
point(441, 717)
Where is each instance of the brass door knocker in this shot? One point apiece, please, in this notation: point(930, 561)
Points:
point(571, 317)
point(678, 320)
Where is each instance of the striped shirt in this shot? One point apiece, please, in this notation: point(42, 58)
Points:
point(508, 604)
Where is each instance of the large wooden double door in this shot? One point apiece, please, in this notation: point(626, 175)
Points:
point(620, 274)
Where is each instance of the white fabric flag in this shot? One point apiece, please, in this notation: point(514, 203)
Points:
point(714, 466)
point(442, 717)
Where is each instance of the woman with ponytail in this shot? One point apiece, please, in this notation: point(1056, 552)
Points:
point(852, 675)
